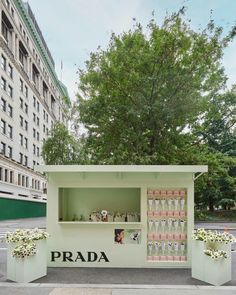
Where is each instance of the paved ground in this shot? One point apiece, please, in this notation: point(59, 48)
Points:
point(90, 281)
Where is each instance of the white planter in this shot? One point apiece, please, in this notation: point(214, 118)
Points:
point(25, 270)
point(204, 268)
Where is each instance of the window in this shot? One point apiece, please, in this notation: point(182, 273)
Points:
point(3, 105)
point(34, 117)
point(3, 62)
point(3, 127)
point(1, 171)
point(5, 31)
point(21, 158)
point(37, 106)
point(10, 91)
point(27, 181)
point(26, 91)
point(21, 103)
point(37, 151)
point(26, 161)
point(9, 152)
point(37, 121)
point(34, 133)
point(7, 3)
point(47, 118)
point(6, 175)
point(34, 163)
point(3, 84)
point(10, 111)
point(34, 149)
point(26, 108)
point(12, 12)
point(21, 86)
point(44, 128)
point(19, 179)
point(3, 148)
point(37, 136)
point(21, 139)
point(21, 121)
point(26, 125)
point(10, 131)
point(23, 180)
point(47, 132)
point(44, 114)
point(10, 71)
point(11, 176)
point(34, 101)
point(26, 143)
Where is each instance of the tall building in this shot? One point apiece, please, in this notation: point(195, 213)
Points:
point(31, 99)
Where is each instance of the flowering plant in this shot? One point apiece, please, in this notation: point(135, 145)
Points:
point(26, 235)
point(25, 238)
point(213, 236)
point(24, 250)
point(215, 254)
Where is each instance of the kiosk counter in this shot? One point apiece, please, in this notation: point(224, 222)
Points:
point(120, 216)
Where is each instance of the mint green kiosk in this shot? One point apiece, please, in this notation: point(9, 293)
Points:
point(120, 216)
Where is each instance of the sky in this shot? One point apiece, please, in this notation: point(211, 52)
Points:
point(74, 28)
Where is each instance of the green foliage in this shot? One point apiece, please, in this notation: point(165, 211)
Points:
point(140, 95)
point(227, 204)
point(60, 147)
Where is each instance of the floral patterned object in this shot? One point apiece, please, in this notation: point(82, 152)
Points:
point(216, 254)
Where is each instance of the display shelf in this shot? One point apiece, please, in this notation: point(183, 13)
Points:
point(99, 205)
point(94, 223)
point(166, 225)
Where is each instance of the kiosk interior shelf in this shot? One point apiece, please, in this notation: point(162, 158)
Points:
point(99, 205)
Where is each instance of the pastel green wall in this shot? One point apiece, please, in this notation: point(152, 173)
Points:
point(85, 200)
point(13, 209)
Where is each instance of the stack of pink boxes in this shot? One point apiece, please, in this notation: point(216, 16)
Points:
point(167, 224)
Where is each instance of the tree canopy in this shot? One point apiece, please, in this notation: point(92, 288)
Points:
point(157, 95)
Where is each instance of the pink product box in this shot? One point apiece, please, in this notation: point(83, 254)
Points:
point(176, 213)
point(170, 258)
point(163, 213)
point(169, 193)
point(156, 214)
point(176, 237)
point(182, 193)
point(150, 214)
point(149, 258)
point(156, 237)
point(182, 213)
point(170, 214)
point(150, 237)
point(176, 193)
point(163, 237)
point(156, 258)
point(156, 193)
point(150, 193)
point(182, 237)
point(163, 193)
point(183, 258)
point(176, 258)
point(170, 237)
point(163, 258)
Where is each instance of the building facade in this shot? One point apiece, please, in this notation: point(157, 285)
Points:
point(32, 99)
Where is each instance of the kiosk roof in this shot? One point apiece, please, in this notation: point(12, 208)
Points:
point(122, 168)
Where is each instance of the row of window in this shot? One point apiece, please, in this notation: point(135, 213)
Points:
point(6, 66)
point(6, 87)
point(6, 129)
point(6, 175)
point(6, 150)
point(6, 108)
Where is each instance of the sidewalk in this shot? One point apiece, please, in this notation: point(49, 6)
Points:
point(35, 289)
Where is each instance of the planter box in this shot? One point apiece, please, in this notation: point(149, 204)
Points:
point(204, 268)
point(25, 270)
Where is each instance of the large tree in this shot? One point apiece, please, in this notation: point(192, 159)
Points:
point(139, 98)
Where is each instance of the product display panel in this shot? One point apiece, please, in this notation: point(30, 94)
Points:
point(99, 205)
point(166, 225)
